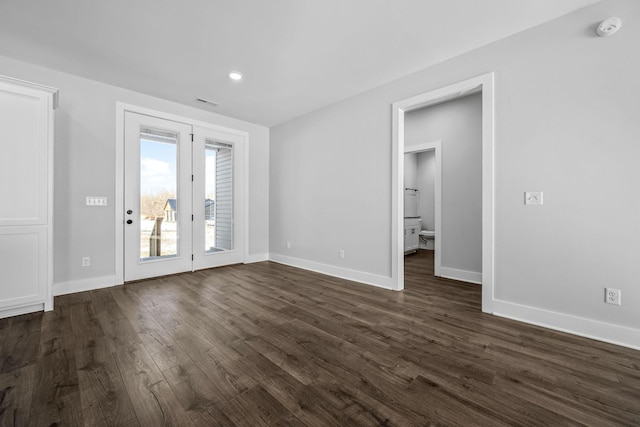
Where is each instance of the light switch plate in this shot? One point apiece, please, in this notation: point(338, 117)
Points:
point(96, 201)
point(533, 198)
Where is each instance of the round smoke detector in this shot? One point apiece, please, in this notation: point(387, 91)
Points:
point(609, 27)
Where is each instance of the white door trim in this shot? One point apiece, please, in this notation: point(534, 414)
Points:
point(436, 146)
point(118, 204)
point(484, 84)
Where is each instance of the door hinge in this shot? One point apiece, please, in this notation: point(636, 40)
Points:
point(191, 257)
point(191, 178)
point(191, 217)
point(191, 137)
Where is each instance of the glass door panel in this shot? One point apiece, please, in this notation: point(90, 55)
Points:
point(218, 202)
point(159, 228)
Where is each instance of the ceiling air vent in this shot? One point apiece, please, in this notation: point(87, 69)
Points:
point(206, 101)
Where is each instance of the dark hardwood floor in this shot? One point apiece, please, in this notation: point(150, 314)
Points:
point(265, 344)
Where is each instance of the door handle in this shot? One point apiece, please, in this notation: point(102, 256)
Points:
point(129, 221)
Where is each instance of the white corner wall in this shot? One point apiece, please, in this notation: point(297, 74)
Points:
point(84, 165)
point(566, 103)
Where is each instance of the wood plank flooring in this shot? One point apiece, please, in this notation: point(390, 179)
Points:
point(266, 344)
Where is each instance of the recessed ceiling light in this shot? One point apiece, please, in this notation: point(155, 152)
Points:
point(235, 75)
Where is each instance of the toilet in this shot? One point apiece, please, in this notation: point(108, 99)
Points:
point(428, 239)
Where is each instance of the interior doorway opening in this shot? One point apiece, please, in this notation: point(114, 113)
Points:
point(483, 84)
point(430, 224)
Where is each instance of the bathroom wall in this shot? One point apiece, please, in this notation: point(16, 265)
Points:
point(458, 125)
point(419, 173)
point(410, 170)
point(425, 182)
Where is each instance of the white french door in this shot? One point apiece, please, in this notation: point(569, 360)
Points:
point(183, 197)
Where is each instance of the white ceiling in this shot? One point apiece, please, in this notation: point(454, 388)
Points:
point(296, 55)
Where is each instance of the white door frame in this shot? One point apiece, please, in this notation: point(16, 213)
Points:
point(436, 146)
point(484, 84)
point(121, 108)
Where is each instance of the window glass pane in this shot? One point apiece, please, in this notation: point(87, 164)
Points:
point(159, 204)
point(218, 202)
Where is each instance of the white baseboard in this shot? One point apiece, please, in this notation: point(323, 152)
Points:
point(256, 258)
point(31, 308)
point(588, 328)
point(73, 286)
point(331, 270)
point(462, 275)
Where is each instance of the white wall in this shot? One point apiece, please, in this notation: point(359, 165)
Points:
point(85, 166)
point(410, 170)
point(425, 182)
point(330, 189)
point(458, 125)
point(566, 105)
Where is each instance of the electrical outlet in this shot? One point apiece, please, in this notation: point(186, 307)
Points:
point(86, 261)
point(341, 254)
point(613, 296)
point(288, 245)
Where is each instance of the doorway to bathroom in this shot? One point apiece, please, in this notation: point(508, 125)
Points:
point(477, 229)
point(423, 182)
point(457, 123)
